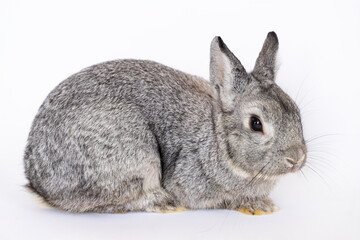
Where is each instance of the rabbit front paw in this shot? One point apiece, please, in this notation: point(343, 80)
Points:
point(174, 210)
point(167, 209)
point(259, 207)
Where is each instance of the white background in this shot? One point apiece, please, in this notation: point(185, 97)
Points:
point(43, 42)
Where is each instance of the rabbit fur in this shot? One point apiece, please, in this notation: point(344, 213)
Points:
point(135, 135)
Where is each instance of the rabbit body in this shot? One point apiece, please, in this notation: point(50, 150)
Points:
point(135, 135)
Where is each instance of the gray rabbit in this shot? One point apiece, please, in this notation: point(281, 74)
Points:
point(134, 135)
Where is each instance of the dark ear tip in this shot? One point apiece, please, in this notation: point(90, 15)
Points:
point(218, 42)
point(221, 43)
point(272, 35)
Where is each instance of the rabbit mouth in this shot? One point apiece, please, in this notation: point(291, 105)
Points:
point(294, 169)
point(296, 166)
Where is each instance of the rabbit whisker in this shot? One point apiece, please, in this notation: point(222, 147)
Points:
point(320, 160)
point(315, 170)
point(261, 170)
point(320, 137)
point(302, 173)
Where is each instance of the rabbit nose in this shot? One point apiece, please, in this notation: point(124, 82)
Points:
point(291, 161)
point(295, 155)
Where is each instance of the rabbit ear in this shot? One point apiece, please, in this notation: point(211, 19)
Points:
point(226, 73)
point(265, 66)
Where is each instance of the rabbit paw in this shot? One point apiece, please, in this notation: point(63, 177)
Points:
point(259, 207)
point(168, 209)
point(174, 210)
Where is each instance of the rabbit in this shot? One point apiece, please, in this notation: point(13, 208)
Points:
point(135, 135)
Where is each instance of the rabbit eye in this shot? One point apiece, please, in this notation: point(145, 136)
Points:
point(255, 124)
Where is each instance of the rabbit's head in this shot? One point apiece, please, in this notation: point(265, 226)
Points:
point(262, 124)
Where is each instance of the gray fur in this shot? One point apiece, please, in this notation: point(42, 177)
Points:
point(133, 135)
